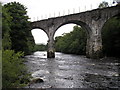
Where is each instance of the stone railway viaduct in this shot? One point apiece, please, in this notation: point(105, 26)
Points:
point(92, 21)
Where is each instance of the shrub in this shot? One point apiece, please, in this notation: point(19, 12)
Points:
point(13, 70)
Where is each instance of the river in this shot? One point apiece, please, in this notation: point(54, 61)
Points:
point(73, 71)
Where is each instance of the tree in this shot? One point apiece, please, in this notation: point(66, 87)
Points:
point(103, 4)
point(13, 69)
point(20, 27)
point(6, 39)
point(40, 47)
point(14, 73)
point(73, 42)
point(0, 25)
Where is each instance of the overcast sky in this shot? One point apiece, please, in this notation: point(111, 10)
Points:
point(41, 9)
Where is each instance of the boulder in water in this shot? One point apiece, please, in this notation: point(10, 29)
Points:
point(35, 80)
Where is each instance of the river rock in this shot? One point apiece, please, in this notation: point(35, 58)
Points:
point(35, 80)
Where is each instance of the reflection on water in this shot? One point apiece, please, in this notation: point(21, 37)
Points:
point(73, 71)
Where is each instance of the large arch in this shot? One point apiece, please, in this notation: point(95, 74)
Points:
point(109, 49)
point(80, 23)
point(84, 26)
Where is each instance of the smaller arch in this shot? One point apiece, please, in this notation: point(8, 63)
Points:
point(39, 32)
point(37, 27)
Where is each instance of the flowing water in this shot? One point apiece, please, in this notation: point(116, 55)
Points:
point(73, 71)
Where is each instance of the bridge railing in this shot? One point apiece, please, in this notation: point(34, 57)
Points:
point(66, 12)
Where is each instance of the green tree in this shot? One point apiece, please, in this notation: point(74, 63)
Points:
point(103, 4)
point(0, 19)
point(13, 70)
point(20, 27)
point(0, 46)
point(73, 42)
point(58, 43)
point(6, 19)
point(40, 47)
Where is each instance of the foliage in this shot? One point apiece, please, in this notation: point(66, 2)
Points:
point(30, 44)
point(16, 35)
point(0, 45)
point(103, 4)
point(6, 18)
point(73, 42)
point(20, 27)
point(0, 26)
point(13, 70)
point(111, 37)
point(40, 47)
point(0, 69)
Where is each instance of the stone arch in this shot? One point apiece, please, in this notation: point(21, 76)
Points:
point(112, 13)
point(40, 29)
point(83, 25)
point(109, 19)
point(102, 30)
point(40, 37)
point(80, 23)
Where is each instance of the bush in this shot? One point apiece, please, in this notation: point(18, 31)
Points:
point(13, 70)
point(73, 42)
